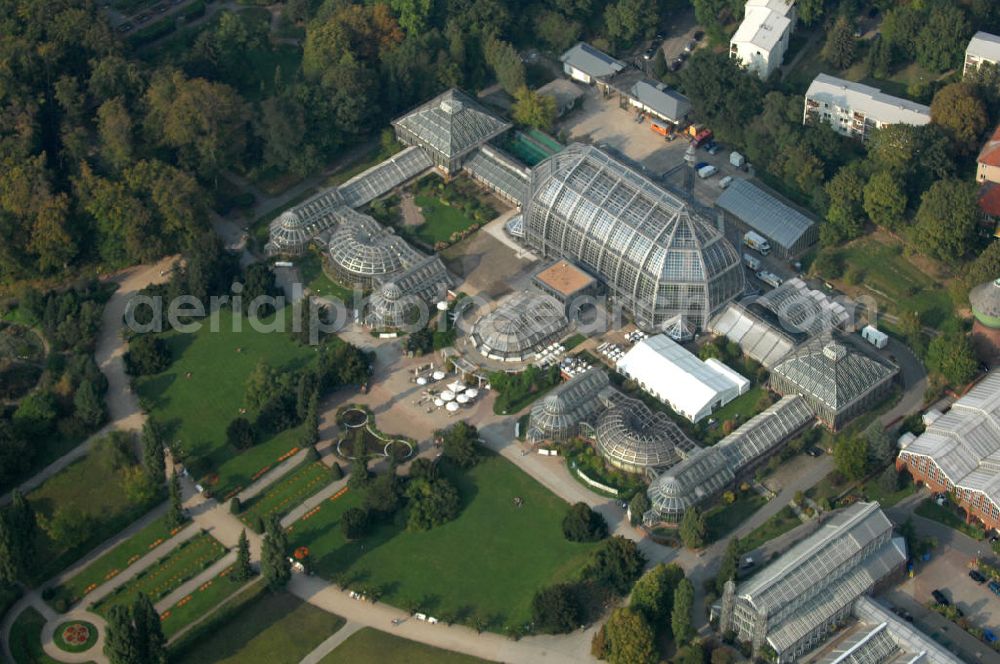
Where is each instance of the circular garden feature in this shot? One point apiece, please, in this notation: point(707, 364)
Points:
point(76, 636)
point(353, 418)
point(406, 452)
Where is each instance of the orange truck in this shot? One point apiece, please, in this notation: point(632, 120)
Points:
point(661, 128)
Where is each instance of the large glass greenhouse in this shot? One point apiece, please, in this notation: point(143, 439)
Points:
point(633, 438)
point(657, 256)
point(521, 326)
point(838, 381)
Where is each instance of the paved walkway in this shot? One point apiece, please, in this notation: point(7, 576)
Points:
point(328, 646)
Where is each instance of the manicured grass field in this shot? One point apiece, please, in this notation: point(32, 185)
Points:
point(197, 408)
point(489, 562)
point(199, 603)
point(89, 489)
point(897, 284)
point(740, 409)
point(722, 519)
point(274, 629)
point(26, 639)
point(370, 646)
point(311, 270)
point(113, 562)
point(166, 575)
point(777, 525)
point(283, 496)
point(440, 220)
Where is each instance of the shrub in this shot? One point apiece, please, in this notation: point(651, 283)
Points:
point(336, 472)
point(235, 507)
point(582, 524)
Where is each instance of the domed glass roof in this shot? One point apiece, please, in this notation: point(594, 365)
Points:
point(517, 328)
point(633, 437)
point(559, 415)
point(363, 248)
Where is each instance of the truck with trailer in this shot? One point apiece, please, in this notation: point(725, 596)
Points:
point(874, 336)
point(769, 278)
point(751, 262)
point(757, 242)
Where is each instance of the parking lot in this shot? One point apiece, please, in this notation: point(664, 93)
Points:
point(948, 571)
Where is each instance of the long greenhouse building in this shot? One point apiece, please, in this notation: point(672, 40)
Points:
point(658, 258)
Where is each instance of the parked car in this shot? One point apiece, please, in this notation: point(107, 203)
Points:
point(699, 35)
point(977, 576)
point(690, 46)
point(713, 147)
point(814, 452)
point(649, 53)
point(994, 586)
point(125, 27)
point(676, 64)
point(940, 598)
point(700, 165)
point(989, 636)
point(726, 181)
point(747, 562)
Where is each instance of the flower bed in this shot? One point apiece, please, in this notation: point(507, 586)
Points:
point(288, 492)
point(76, 636)
point(169, 573)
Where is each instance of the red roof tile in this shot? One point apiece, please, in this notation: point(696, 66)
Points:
point(990, 154)
point(989, 200)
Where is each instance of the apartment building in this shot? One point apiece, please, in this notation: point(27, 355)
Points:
point(855, 110)
point(761, 41)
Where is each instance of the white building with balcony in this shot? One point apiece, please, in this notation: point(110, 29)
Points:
point(762, 39)
point(855, 110)
point(983, 47)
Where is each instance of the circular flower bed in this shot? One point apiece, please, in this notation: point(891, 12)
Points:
point(354, 418)
point(406, 454)
point(76, 636)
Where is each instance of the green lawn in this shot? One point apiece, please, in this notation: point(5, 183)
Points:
point(273, 629)
point(167, 574)
point(26, 639)
point(488, 562)
point(315, 279)
point(199, 603)
point(370, 646)
point(722, 519)
point(440, 220)
point(944, 515)
point(283, 496)
point(872, 491)
point(90, 493)
point(895, 282)
point(197, 408)
point(740, 409)
point(777, 525)
point(111, 563)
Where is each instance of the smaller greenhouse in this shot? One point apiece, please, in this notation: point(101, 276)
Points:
point(706, 472)
point(408, 296)
point(838, 381)
point(633, 438)
point(362, 252)
point(558, 415)
point(522, 325)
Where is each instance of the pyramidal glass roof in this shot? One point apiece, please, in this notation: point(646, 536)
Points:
point(831, 372)
point(451, 124)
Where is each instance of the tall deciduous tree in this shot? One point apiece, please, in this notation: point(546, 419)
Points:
point(630, 638)
point(653, 593)
point(119, 637)
point(534, 110)
point(150, 643)
point(958, 108)
point(840, 47)
point(941, 42)
point(692, 528)
point(845, 217)
point(23, 524)
point(506, 64)
point(885, 200)
point(627, 21)
point(850, 456)
point(946, 221)
point(950, 355)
